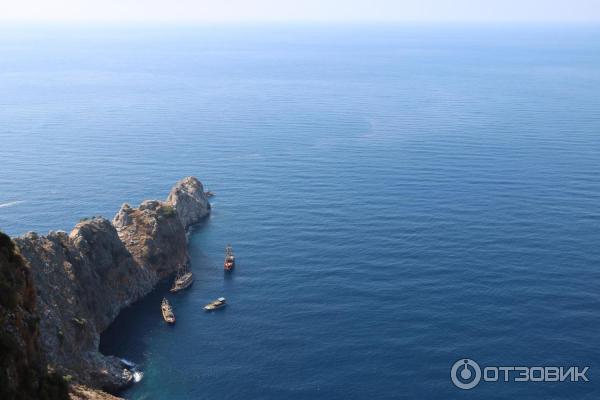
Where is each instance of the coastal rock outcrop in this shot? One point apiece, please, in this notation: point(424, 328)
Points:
point(83, 279)
point(189, 200)
point(155, 237)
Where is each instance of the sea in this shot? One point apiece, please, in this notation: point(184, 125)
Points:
point(399, 197)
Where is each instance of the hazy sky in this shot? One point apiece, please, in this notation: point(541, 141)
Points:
point(301, 10)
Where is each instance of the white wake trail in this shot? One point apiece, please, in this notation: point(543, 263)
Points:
point(11, 203)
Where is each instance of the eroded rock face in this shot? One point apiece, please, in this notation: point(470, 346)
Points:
point(83, 279)
point(80, 392)
point(154, 236)
point(23, 374)
point(189, 200)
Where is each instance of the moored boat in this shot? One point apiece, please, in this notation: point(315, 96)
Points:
point(209, 193)
point(167, 312)
point(220, 302)
point(183, 280)
point(229, 258)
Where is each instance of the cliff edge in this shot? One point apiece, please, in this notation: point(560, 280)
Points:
point(83, 279)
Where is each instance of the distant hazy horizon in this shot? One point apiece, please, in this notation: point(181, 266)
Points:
point(551, 11)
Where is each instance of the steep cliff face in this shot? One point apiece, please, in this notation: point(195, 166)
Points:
point(23, 374)
point(83, 279)
point(155, 236)
point(189, 200)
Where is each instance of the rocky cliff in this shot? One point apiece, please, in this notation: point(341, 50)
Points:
point(23, 374)
point(84, 278)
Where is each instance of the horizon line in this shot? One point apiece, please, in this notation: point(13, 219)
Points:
point(207, 22)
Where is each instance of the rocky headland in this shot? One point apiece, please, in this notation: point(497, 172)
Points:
point(79, 282)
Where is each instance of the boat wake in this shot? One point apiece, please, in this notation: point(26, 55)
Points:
point(11, 203)
point(127, 363)
point(138, 376)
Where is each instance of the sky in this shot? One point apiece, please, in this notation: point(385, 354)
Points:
point(302, 10)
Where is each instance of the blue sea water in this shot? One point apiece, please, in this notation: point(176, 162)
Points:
point(398, 197)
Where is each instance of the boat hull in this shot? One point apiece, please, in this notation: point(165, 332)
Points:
point(183, 286)
point(182, 282)
point(215, 305)
point(212, 308)
point(169, 317)
point(167, 312)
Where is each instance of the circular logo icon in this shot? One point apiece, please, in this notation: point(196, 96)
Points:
point(465, 374)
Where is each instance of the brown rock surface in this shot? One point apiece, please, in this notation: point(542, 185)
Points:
point(23, 374)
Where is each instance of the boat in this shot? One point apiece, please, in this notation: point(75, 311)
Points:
point(167, 311)
point(209, 193)
point(220, 302)
point(183, 279)
point(229, 258)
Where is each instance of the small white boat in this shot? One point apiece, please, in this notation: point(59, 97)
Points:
point(219, 303)
point(167, 312)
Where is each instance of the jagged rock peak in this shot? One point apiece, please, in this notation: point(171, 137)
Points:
point(151, 205)
point(123, 216)
point(189, 200)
